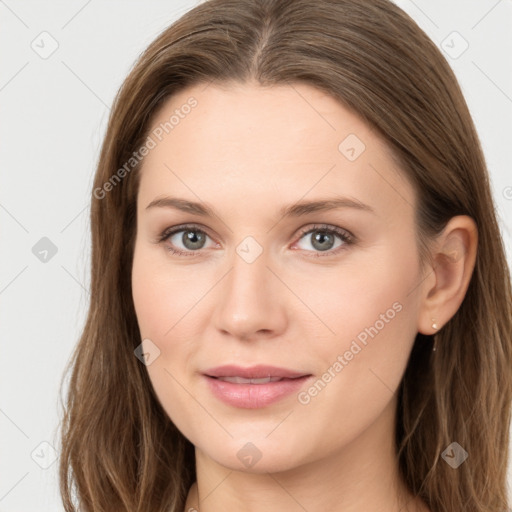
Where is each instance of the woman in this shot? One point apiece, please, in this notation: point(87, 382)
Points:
point(300, 294)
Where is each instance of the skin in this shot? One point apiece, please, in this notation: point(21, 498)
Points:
point(247, 151)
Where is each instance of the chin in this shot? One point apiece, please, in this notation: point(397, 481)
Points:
point(258, 457)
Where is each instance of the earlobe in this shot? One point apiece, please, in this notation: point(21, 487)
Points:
point(454, 256)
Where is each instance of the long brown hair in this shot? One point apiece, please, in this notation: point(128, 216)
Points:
point(120, 451)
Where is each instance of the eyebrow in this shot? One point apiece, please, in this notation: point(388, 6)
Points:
point(295, 210)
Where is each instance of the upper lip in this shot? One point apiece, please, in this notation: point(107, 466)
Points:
point(253, 372)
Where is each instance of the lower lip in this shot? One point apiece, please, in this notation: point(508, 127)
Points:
point(254, 396)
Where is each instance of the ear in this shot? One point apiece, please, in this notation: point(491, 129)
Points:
point(447, 278)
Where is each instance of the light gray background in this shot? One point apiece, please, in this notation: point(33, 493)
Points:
point(54, 113)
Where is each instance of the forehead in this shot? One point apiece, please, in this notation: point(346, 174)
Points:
point(283, 141)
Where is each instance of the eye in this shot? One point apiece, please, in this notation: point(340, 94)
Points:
point(322, 238)
point(191, 238)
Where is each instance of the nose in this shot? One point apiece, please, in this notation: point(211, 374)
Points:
point(250, 300)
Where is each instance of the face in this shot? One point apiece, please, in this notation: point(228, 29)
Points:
point(297, 263)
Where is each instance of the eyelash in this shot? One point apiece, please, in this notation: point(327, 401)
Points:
point(346, 237)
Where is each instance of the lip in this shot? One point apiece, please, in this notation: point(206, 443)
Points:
point(253, 395)
point(253, 372)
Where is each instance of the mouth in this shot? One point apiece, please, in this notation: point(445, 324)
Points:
point(253, 373)
point(242, 380)
point(254, 387)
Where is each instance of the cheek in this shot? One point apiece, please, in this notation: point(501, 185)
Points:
point(351, 299)
point(163, 294)
point(161, 298)
point(166, 298)
point(371, 313)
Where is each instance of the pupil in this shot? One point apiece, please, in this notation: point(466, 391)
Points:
point(193, 239)
point(321, 237)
